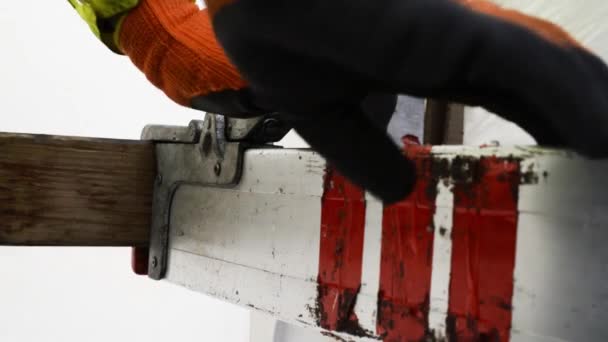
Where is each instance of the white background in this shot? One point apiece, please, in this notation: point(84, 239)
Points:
point(55, 78)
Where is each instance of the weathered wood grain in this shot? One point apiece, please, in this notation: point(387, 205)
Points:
point(62, 191)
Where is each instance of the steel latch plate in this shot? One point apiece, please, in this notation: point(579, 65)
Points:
point(197, 154)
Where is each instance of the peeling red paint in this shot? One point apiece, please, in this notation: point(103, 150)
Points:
point(406, 260)
point(483, 252)
point(341, 254)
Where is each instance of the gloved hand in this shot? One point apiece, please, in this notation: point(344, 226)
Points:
point(315, 59)
point(173, 43)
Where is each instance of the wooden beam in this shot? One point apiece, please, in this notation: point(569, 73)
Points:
point(60, 191)
point(454, 126)
point(443, 123)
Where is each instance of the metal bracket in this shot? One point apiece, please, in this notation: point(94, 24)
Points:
point(208, 153)
point(197, 154)
point(259, 130)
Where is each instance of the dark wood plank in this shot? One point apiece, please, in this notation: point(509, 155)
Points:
point(443, 123)
point(434, 122)
point(62, 191)
point(454, 127)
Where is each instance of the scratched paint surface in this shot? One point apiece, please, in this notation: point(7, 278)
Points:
point(341, 255)
point(483, 252)
point(406, 261)
point(486, 191)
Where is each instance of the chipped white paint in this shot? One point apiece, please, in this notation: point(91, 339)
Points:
point(257, 245)
point(561, 271)
point(370, 276)
point(442, 258)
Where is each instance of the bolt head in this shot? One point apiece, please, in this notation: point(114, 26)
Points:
point(272, 128)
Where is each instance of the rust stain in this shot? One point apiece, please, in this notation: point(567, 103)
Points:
point(341, 256)
point(396, 317)
point(342, 302)
point(334, 336)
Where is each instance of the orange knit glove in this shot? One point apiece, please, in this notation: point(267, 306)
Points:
point(173, 43)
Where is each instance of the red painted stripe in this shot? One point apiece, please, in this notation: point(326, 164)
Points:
point(483, 252)
point(406, 261)
point(341, 254)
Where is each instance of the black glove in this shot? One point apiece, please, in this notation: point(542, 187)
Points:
point(315, 59)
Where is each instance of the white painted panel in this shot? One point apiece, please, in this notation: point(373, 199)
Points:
point(271, 221)
point(370, 278)
point(442, 259)
point(561, 287)
point(271, 293)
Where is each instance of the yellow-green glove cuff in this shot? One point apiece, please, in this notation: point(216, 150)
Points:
point(104, 18)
